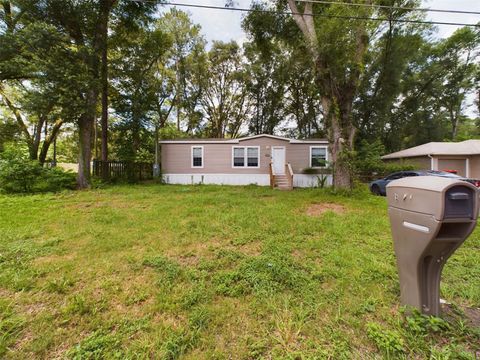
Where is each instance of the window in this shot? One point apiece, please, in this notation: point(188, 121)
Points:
point(395, 176)
point(252, 157)
point(197, 156)
point(238, 157)
point(246, 156)
point(318, 156)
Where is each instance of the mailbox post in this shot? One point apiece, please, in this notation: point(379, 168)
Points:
point(430, 218)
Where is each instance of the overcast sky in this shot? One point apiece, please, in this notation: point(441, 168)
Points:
point(226, 25)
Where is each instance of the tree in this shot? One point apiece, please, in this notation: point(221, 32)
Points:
point(8, 130)
point(457, 57)
point(31, 56)
point(33, 110)
point(105, 11)
point(338, 51)
point(266, 86)
point(138, 56)
point(81, 25)
point(185, 54)
point(414, 90)
point(284, 91)
point(337, 46)
point(303, 101)
point(392, 61)
point(224, 99)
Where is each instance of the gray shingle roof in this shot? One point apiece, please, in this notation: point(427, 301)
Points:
point(468, 147)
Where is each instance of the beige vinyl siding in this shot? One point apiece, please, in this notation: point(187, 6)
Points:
point(217, 158)
point(419, 162)
point(458, 164)
point(475, 167)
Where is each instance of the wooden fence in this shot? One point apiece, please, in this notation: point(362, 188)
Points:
point(126, 170)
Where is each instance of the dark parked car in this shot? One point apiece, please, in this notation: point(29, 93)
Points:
point(378, 187)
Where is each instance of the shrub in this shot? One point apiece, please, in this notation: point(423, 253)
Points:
point(19, 174)
point(56, 179)
point(310, 171)
point(368, 162)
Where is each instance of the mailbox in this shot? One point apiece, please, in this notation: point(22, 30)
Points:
point(430, 218)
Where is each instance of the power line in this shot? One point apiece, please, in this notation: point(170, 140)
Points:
point(345, 17)
point(390, 7)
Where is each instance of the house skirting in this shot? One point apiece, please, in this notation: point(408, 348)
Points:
point(299, 180)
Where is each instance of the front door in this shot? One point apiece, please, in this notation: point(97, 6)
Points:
point(278, 158)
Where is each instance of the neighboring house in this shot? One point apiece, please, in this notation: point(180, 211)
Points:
point(261, 159)
point(463, 157)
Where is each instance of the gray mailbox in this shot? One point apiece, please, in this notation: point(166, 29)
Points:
point(430, 217)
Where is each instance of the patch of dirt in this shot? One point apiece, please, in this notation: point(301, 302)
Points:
point(59, 352)
point(27, 337)
point(191, 254)
point(187, 260)
point(170, 320)
point(298, 254)
point(53, 258)
point(111, 203)
point(251, 249)
point(4, 293)
point(472, 315)
point(85, 205)
point(34, 309)
point(319, 209)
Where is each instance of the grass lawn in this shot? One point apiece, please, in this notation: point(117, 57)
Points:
point(211, 272)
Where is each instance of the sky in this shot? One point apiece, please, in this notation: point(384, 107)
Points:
point(226, 25)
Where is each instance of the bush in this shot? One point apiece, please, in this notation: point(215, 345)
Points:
point(19, 174)
point(368, 162)
point(56, 179)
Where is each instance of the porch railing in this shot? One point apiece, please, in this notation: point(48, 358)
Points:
point(272, 176)
point(289, 174)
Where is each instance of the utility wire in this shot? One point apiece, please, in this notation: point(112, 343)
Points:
point(345, 17)
point(390, 7)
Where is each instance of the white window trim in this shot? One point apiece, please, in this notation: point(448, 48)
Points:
point(326, 156)
point(245, 157)
point(191, 157)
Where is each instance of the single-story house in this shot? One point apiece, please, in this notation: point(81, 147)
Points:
point(462, 157)
point(265, 160)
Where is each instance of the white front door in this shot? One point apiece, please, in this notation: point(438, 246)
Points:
point(278, 158)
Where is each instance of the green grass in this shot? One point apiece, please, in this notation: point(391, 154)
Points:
point(210, 272)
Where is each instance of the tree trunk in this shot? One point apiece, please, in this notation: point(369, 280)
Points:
point(48, 142)
point(341, 143)
point(37, 136)
point(85, 127)
point(156, 166)
point(178, 95)
point(136, 129)
point(105, 8)
point(104, 80)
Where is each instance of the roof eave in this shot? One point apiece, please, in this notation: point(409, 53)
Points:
point(236, 141)
point(230, 141)
point(390, 157)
